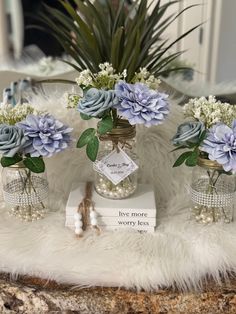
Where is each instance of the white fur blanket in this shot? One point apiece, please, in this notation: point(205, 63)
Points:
point(180, 254)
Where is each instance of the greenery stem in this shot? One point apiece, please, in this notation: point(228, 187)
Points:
point(212, 181)
point(114, 117)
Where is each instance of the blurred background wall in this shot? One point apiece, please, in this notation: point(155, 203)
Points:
point(210, 50)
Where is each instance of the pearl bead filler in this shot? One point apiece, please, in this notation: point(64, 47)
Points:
point(206, 215)
point(106, 188)
point(28, 213)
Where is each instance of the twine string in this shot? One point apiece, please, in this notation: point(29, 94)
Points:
point(121, 134)
point(86, 206)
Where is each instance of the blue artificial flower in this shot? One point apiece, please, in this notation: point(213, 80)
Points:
point(46, 135)
point(96, 101)
point(188, 133)
point(141, 105)
point(12, 140)
point(220, 144)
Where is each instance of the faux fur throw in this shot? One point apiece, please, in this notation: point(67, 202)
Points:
point(180, 254)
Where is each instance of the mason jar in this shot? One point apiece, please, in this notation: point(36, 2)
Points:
point(212, 193)
point(25, 193)
point(122, 136)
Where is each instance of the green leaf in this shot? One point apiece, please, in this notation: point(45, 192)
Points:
point(85, 137)
point(178, 148)
point(202, 137)
point(35, 164)
point(181, 159)
point(191, 161)
point(92, 148)
point(105, 125)
point(84, 116)
point(9, 161)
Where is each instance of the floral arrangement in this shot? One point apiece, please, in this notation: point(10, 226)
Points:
point(211, 134)
point(119, 50)
point(27, 136)
point(108, 97)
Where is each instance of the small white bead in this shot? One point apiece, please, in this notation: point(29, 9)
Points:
point(78, 224)
point(94, 222)
point(93, 214)
point(77, 216)
point(209, 219)
point(78, 231)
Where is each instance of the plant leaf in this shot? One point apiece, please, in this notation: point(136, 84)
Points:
point(116, 47)
point(92, 148)
point(105, 125)
point(181, 159)
point(85, 137)
point(202, 137)
point(84, 116)
point(9, 161)
point(178, 148)
point(35, 164)
point(191, 161)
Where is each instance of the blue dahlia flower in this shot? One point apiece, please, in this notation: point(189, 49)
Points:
point(46, 135)
point(141, 105)
point(220, 144)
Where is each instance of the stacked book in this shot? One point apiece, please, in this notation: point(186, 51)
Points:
point(138, 212)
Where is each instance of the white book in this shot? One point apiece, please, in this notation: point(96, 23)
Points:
point(110, 228)
point(120, 221)
point(142, 201)
point(141, 230)
point(139, 210)
point(121, 212)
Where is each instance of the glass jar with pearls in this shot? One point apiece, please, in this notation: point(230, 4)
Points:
point(212, 193)
point(24, 192)
point(122, 136)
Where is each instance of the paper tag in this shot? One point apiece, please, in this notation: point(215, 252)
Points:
point(116, 166)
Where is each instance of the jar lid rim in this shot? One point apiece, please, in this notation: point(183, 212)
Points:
point(123, 131)
point(203, 162)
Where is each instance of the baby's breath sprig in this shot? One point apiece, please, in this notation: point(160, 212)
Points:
point(210, 111)
point(11, 115)
point(145, 77)
point(106, 78)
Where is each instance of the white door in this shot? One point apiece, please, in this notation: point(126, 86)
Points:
point(196, 43)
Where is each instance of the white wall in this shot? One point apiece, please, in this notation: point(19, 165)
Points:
point(226, 58)
point(4, 49)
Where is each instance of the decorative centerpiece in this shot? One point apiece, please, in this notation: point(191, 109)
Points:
point(119, 106)
point(119, 52)
point(26, 137)
point(209, 142)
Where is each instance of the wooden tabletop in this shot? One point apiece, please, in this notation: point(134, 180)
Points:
point(34, 295)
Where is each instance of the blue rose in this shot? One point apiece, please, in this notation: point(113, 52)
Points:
point(188, 133)
point(96, 101)
point(12, 139)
